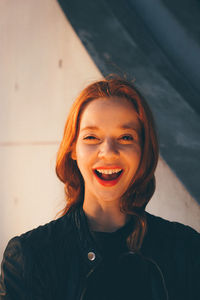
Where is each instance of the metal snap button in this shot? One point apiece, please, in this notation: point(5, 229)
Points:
point(91, 256)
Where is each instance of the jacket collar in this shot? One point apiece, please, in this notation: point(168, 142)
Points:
point(89, 250)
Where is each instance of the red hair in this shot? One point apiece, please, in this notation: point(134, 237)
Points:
point(141, 189)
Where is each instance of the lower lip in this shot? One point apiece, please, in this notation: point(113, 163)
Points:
point(108, 182)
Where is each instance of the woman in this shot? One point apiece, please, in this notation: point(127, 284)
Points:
point(105, 246)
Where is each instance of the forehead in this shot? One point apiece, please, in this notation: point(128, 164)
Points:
point(113, 111)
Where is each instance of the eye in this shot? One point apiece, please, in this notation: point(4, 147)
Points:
point(127, 138)
point(91, 139)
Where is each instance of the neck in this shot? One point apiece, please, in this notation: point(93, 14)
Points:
point(105, 217)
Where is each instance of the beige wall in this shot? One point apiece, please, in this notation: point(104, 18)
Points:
point(171, 200)
point(43, 67)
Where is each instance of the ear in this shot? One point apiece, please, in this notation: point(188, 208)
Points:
point(73, 154)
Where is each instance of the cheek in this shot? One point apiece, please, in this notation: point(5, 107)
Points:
point(134, 152)
point(133, 158)
point(85, 156)
point(84, 152)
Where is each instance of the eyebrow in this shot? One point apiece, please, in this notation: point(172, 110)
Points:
point(90, 128)
point(124, 126)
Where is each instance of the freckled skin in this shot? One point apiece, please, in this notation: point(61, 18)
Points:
point(110, 143)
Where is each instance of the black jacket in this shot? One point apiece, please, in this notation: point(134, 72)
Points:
point(59, 260)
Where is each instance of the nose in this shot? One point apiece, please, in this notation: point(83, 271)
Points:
point(108, 150)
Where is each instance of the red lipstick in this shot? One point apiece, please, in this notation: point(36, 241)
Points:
point(108, 183)
point(108, 167)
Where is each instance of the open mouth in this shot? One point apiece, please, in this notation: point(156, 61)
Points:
point(108, 177)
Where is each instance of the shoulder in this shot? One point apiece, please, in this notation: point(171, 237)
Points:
point(172, 235)
point(175, 248)
point(174, 229)
point(35, 254)
point(53, 235)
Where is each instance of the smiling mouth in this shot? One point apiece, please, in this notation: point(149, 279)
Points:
point(108, 177)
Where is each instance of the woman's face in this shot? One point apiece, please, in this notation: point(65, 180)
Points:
point(108, 148)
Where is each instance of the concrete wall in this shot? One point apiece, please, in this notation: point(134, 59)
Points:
point(43, 68)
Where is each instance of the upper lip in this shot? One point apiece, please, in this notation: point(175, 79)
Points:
point(107, 167)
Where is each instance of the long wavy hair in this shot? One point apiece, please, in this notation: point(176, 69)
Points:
point(142, 187)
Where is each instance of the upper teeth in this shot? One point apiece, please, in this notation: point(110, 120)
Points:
point(108, 171)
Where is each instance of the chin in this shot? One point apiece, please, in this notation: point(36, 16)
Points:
point(109, 197)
